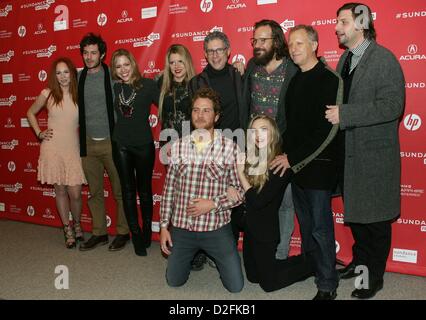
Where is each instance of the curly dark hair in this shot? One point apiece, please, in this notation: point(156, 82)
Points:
point(92, 38)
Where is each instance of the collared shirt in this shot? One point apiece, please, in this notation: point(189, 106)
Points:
point(206, 175)
point(266, 88)
point(358, 53)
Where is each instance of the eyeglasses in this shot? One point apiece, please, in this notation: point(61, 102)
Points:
point(261, 41)
point(218, 51)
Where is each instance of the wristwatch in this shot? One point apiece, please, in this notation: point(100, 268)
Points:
point(164, 223)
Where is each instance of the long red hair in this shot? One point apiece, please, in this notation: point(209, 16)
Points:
point(55, 89)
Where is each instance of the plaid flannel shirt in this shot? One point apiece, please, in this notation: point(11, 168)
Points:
point(205, 175)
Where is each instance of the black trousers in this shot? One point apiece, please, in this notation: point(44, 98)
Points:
point(134, 165)
point(371, 247)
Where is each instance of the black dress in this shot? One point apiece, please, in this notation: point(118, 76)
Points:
point(262, 236)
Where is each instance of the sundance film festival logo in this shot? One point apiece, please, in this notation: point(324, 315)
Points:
point(196, 35)
point(413, 222)
point(412, 122)
point(206, 5)
point(11, 187)
point(41, 53)
point(415, 85)
point(147, 41)
point(42, 75)
point(40, 29)
point(413, 54)
point(240, 58)
point(7, 101)
point(40, 5)
point(361, 20)
point(287, 24)
point(5, 11)
point(156, 198)
point(5, 57)
point(236, 4)
point(404, 255)
point(125, 17)
point(9, 145)
point(11, 166)
point(102, 19)
point(140, 41)
point(22, 31)
point(412, 14)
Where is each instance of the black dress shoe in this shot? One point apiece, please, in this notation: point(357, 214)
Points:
point(93, 242)
point(325, 295)
point(367, 293)
point(348, 272)
point(119, 242)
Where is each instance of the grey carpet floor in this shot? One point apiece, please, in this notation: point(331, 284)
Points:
point(29, 255)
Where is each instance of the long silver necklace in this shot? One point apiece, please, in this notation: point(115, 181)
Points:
point(126, 105)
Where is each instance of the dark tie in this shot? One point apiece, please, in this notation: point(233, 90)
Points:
point(346, 70)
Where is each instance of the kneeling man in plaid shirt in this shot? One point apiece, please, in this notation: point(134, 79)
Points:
point(195, 210)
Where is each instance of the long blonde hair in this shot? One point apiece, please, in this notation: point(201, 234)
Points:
point(256, 161)
point(166, 87)
point(136, 75)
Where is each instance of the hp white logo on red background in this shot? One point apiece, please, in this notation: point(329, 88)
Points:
point(153, 120)
point(239, 57)
point(22, 31)
point(30, 211)
point(11, 166)
point(206, 5)
point(42, 75)
point(412, 122)
point(102, 19)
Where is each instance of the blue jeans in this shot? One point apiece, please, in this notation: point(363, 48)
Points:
point(219, 244)
point(286, 218)
point(313, 209)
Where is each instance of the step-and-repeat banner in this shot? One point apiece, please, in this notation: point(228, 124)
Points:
point(34, 33)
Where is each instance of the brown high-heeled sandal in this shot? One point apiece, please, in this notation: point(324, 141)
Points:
point(79, 235)
point(69, 237)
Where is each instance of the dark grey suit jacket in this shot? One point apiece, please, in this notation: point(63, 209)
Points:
point(371, 117)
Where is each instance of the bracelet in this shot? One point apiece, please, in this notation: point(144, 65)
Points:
point(38, 136)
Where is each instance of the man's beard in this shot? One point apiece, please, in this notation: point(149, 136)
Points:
point(265, 58)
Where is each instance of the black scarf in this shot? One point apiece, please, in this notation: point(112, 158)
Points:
point(81, 107)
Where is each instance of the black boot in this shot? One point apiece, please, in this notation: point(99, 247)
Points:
point(139, 244)
point(147, 232)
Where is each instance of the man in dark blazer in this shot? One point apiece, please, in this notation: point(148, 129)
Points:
point(312, 88)
point(373, 103)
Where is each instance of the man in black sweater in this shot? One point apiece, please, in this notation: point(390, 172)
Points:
point(312, 88)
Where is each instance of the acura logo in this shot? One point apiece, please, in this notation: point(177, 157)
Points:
point(412, 49)
point(124, 14)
